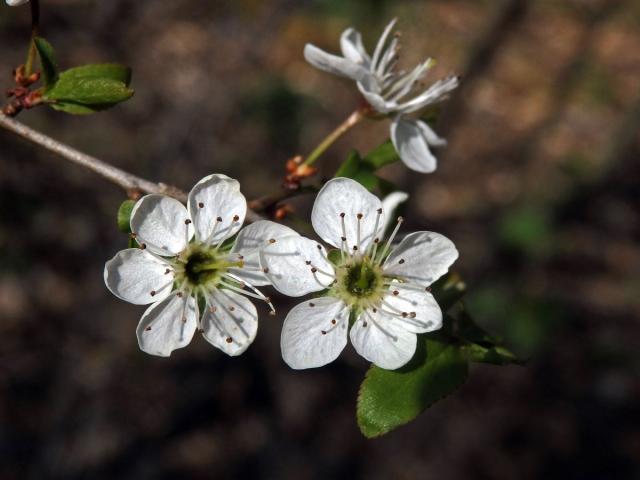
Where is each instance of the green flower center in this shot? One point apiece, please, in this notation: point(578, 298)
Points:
point(360, 282)
point(203, 266)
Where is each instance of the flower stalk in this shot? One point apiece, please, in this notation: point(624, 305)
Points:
point(356, 117)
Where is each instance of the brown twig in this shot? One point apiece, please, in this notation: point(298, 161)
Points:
point(132, 184)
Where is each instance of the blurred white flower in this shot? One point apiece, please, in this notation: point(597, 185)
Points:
point(395, 93)
point(380, 289)
point(15, 3)
point(184, 264)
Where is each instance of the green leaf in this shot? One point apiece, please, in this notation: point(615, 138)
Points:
point(350, 166)
point(495, 355)
point(335, 256)
point(353, 167)
point(78, 109)
point(391, 398)
point(47, 61)
point(110, 71)
point(88, 91)
point(448, 290)
point(124, 216)
point(384, 154)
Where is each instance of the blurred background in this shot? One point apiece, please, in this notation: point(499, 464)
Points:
point(538, 188)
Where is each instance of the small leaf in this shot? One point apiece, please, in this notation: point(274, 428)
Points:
point(47, 61)
point(78, 109)
point(495, 355)
point(382, 155)
point(124, 216)
point(89, 91)
point(350, 166)
point(448, 290)
point(109, 71)
point(335, 256)
point(391, 398)
point(353, 167)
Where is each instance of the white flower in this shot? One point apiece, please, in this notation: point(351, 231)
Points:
point(15, 3)
point(381, 290)
point(389, 92)
point(184, 264)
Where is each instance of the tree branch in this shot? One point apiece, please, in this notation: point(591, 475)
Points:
point(130, 183)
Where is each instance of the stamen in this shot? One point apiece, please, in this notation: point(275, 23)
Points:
point(183, 316)
point(258, 294)
point(217, 321)
point(377, 324)
point(344, 235)
point(153, 293)
point(315, 269)
point(213, 231)
point(359, 217)
point(393, 234)
point(375, 231)
point(187, 222)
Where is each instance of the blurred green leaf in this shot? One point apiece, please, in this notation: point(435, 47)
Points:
point(47, 61)
point(384, 154)
point(391, 398)
point(353, 167)
point(448, 290)
point(124, 216)
point(495, 355)
point(110, 71)
point(89, 91)
point(78, 109)
point(526, 229)
point(335, 256)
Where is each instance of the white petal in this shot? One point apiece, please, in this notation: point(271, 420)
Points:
point(412, 147)
point(370, 90)
point(382, 340)
point(343, 195)
point(423, 312)
point(159, 222)
point(248, 244)
point(421, 257)
point(435, 93)
point(332, 63)
point(352, 48)
point(380, 47)
point(289, 262)
point(310, 338)
point(168, 325)
point(389, 204)
point(217, 196)
point(15, 3)
point(233, 324)
point(138, 277)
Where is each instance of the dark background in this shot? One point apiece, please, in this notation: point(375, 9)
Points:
point(538, 188)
